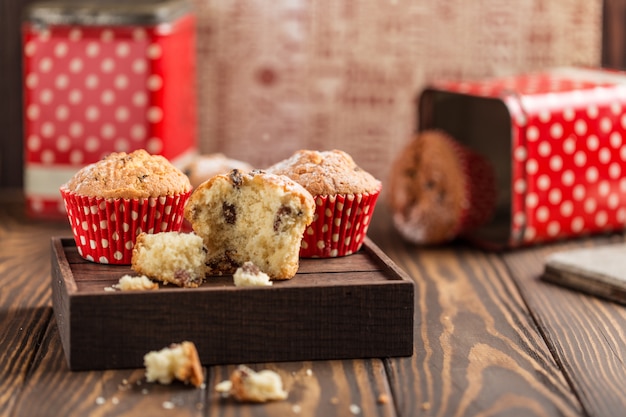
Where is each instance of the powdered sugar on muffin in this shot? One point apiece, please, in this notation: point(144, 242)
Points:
point(326, 172)
point(345, 197)
point(134, 175)
point(111, 201)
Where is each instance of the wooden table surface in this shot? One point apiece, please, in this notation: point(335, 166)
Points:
point(491, 339)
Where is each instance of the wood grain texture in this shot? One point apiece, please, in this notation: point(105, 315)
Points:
point(53, 390)
point(316, 388)
point(25, 310)
point(585, 333)
point(35, 379)
point(491, 339)
point(478, 350)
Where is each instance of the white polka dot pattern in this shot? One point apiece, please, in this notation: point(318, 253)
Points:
point(568, 153)
point(339, 226)
point(81, 84)
point(92, 90)
point(105, 229)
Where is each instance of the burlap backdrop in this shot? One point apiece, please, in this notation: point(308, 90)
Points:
point(277, 76)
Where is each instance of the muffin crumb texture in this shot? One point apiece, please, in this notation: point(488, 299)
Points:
point(246, 385)
point(179, 361)
point(135, 283)
point(170, 257)
point(256, 217)
point(249, 275)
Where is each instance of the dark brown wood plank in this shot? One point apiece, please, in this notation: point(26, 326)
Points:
point(47, 387)
point(21, 332)
point(25, 310)
point(53, 390)
point(477, 348)
point(321, 388)
point(317, 315)
point(316, 388)
point(336, 322)
point(225, 282)
point(359, 261)
point(585, 333)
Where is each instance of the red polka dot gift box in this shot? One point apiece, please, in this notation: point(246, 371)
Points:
point(557, 144)
point(102, 77)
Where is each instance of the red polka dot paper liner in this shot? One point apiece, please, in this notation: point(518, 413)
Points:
point(480, 190)
point(105, 229)
point(339, 226)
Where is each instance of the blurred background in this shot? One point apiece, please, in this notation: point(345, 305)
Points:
point(274, 77)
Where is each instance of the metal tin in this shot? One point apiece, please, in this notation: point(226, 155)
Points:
point(101, 77)
point(557, 144)
point(106, 12)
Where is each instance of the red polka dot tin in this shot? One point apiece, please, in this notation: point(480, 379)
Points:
point(557, 142)
point(102, 77)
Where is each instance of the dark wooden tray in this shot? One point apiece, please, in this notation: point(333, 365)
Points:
point(356, 306)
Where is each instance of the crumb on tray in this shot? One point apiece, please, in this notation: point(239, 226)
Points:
point(133, 283)
point(249, 275)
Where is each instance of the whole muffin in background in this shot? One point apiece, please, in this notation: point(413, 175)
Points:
point(203, 167)
point(112, 201)
point(345, 197)
point(439, 189)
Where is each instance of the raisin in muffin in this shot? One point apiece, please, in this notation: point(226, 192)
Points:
point(170, 257)
point(203, 167)
point(256, 217)
point(112, 201)
point(439, 189)
point(345, 197)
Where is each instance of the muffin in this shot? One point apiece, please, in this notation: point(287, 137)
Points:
point(345, 197)
point(170, 257)
point(203, 167)
point(439, 189)
point(256, 217)
point(110, 202)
